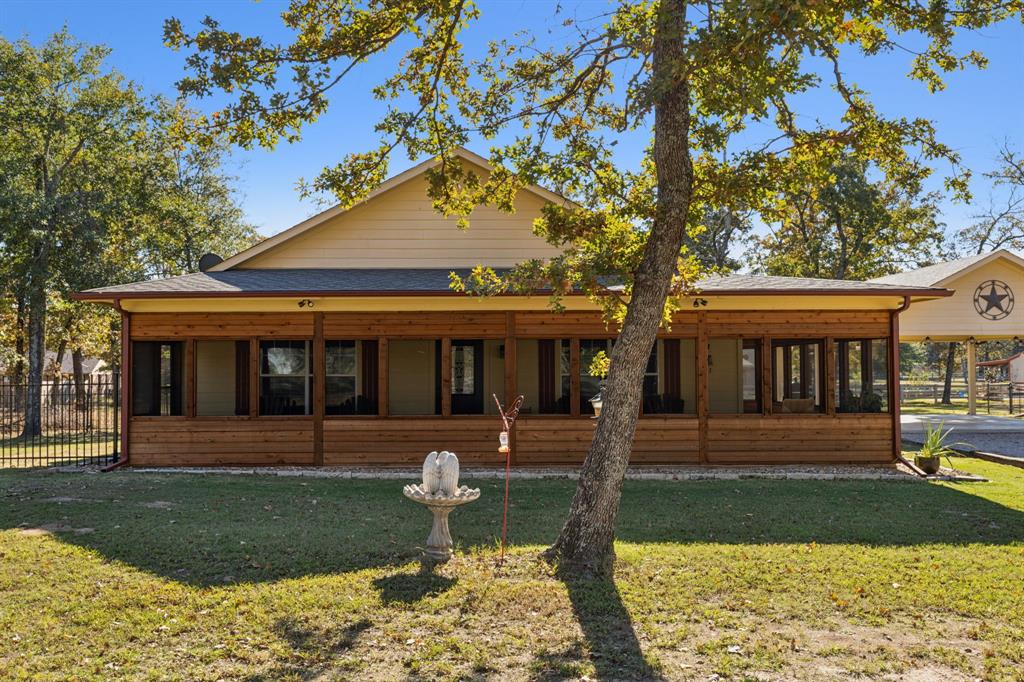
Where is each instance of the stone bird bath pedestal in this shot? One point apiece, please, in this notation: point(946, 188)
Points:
point(440, 493)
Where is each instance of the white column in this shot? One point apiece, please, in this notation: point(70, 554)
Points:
point(972, 377)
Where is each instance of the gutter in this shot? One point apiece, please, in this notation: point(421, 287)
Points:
point(290, 293)
point(894, 390)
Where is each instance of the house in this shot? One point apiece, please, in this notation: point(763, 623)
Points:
point(339, 342)
point(1011, 368)
point(983, 307)
point(90, 366)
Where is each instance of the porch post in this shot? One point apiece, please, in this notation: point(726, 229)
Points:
point(446, 377)
point(126, 381)
point(574, 376)
point(894, 378)
point(190, 378)
point(254, 377)
point(703, 377)
point(382, 376)
point(319, 380)
point(511, 373)
point(972, 376)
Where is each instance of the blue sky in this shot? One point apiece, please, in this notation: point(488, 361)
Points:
point(977, 112)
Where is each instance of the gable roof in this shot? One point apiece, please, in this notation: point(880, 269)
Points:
point(435, 281)
point(941, 273)
point(335, 211)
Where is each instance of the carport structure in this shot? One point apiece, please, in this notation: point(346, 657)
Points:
point(983, 307)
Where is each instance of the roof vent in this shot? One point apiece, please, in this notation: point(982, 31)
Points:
point(208, 260)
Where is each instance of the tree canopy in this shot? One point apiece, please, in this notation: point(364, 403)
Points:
point(690, 75)
point(94, 189)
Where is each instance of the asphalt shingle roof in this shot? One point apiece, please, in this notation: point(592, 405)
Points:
point(426, 280)
point(932, 274)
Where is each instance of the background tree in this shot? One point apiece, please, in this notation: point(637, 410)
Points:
point(193, 207)
point(95, 189)
point(714, 241)
point(689, 75)
point(67, 131)
point(849, 227)
point(1002, 224)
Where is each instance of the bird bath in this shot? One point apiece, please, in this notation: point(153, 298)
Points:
point(440, 493)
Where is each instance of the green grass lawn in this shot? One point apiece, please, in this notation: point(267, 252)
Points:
point(54, 450)
point(146, 576)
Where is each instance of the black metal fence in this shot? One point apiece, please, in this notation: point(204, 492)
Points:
point(79, 423)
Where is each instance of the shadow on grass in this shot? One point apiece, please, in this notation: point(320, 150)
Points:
point(222, 530)
point(317, 648)
point(614, 649)
point(408, 588)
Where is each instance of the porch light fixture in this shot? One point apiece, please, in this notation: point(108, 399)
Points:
point(700, 302)
point(306, 303)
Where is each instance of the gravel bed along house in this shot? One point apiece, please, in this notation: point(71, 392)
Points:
point(656, 473)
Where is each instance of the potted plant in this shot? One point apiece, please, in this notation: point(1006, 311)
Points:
point(933, 449)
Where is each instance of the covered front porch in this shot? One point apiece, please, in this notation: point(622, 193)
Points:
point(381, 388)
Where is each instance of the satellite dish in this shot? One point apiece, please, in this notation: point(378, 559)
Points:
point(208, 260)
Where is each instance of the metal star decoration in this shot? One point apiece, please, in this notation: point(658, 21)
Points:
point(993, 299)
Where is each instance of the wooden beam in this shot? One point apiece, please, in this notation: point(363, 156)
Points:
point(574, 375)
point(126, 382)
point(319, 387)
point(703, 388)
point(894, 379)
point(190, 378)
point(446, 377)
point(767, 392)
point(830, 395)
point(254, 377)
point(972, 376)
point(511, 375)
point(382, 376)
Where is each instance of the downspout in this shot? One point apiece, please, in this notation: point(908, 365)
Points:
point(122, 458)
point(894, 388)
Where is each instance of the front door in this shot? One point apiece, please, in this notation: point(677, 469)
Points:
point(467, 377)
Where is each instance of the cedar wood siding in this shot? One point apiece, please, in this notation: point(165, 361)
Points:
point(539, 439)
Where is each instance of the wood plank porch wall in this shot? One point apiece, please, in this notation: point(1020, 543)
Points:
point(255, 441)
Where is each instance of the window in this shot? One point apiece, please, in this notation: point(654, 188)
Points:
point(669, 378)
point(413, 379)
point(540, 366)
point(222, 378)
point(285, 378)
point(862, 375)
point(797, 376)
point(734, 376)
point(157, 378)
point(350, 380)
point(589, 385)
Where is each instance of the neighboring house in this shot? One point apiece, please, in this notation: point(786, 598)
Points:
point(90, 366)
point(1011, 368)
point(339, 342)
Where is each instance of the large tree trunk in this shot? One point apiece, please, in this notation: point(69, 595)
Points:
point(947, 388)
point(36, 355)
point(79, 377)
point(585, 544)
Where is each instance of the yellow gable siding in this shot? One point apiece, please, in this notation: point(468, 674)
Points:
point(400, 229)
point(956, 318)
